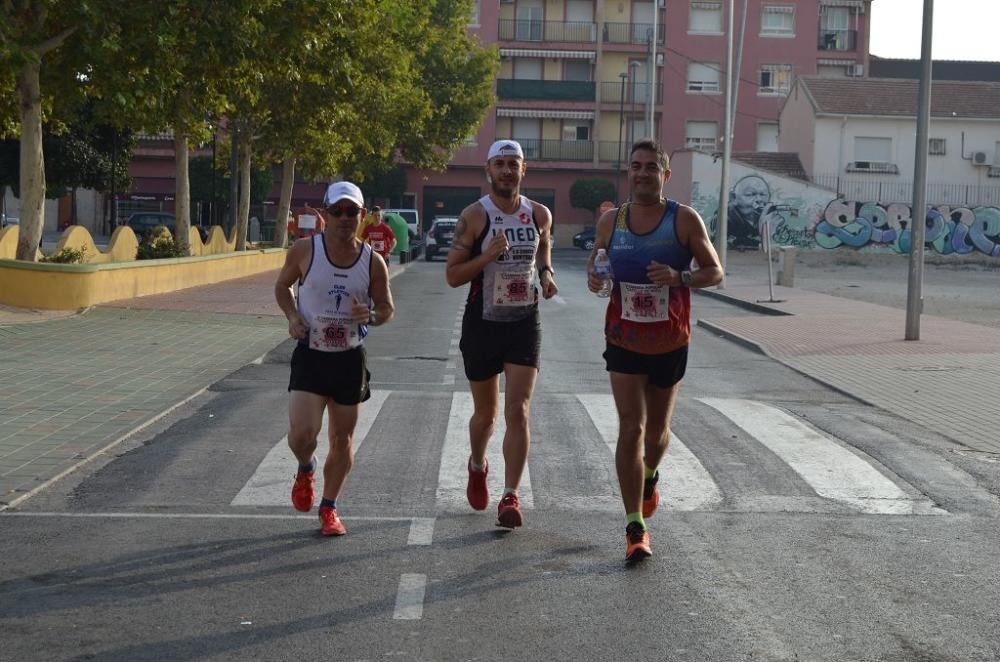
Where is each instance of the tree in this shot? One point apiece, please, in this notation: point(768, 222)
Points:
point(590, 194)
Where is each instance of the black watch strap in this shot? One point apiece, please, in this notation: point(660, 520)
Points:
point(542, 269)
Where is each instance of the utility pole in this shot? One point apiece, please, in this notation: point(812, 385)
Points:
point(722, 231)
point(234, 175)
point(918, 213)
point(621, 123)
point(651, 74)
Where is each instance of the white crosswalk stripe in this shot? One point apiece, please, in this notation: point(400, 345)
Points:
point(832, 470)
point(271, 483)
point(685, 483)
point(453, 474)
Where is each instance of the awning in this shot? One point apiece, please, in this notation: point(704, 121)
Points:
point(780, 9)
point(706, 5)
point(856, 4)
point(546, 113)
point(533, 52)
point(835, 63)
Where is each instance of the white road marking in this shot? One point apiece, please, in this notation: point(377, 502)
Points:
point(233, 516)
point(271, 483)
point(410, 597)
point(421, 531)
point(685, 484)
point(449, 380)
point(558, 299)
point(829, 468)
point(454, 475)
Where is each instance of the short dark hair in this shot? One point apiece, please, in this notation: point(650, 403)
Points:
point(376, 208)
point(653, 146)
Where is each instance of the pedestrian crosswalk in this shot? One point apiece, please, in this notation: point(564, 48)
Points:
point(830, 475)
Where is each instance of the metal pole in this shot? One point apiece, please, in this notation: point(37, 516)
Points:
point(918, 214)
point(114, 178)
point(211, 204)
point(234, 176)
point(722, 231)
point(738, 62)
point(651, 74)
point(621, 146)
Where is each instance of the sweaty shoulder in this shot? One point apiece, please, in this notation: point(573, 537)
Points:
point(688, 219)
point(542, 214)
point(474, 216)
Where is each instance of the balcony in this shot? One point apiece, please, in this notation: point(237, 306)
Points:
point(547, 90)
point(838, 40)
point(633, 93)
point(631, 33)
point(557, 150)
point(554, 31)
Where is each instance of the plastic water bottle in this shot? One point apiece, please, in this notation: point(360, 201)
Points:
point(602, 269)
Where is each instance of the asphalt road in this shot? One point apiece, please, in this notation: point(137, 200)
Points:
point(798, 525)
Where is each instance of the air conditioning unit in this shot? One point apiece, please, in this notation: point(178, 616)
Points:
point(659, 59)
point(981, 159)
point(856, 70)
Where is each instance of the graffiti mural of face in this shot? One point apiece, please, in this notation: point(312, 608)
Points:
point(751, 195)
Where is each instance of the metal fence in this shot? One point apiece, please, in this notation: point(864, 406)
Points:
point(631, 33)
point(885, 190)
point(556, 31)
point(558, 150)
point(629, 93)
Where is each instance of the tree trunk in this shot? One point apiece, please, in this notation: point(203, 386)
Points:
point(182, 192)
point(243, 221)
point(284, 202)
point(32, 163)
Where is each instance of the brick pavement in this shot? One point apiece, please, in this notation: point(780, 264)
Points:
point(947, 381)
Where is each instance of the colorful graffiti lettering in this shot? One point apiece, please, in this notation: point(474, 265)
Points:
point(948, 230)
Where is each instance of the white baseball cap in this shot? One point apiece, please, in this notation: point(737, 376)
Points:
point(343, 191)
point(505, 148)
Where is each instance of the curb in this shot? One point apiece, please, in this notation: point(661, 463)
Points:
point(741, 303)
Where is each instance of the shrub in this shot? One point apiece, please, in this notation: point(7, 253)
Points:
point(158, 243)
point(67, 256)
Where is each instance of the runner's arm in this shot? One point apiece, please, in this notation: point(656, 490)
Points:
point(602, 238)
point(546, 276)
point(379, 292)
point(290, 273)
point(692, 232)
point(462, 267)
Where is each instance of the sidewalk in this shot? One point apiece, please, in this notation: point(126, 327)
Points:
point(74, 385)
point(948, 381)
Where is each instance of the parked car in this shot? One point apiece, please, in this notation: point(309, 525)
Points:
point(143, 221)
point(439, 236)
point(585, 239)
point(6, 220)
point(411, 216)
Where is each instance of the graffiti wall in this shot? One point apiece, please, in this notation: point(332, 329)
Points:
point(797, 213)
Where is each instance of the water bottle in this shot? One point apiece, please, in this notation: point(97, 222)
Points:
point(602, 269)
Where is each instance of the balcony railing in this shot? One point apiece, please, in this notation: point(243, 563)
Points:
point(838, 40)
point(549, 90)
point(881, 189)
point(611, 92)
point(631, 33)
point(533, 30)
point(558, 150)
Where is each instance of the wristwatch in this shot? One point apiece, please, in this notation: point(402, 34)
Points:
point(686, 278)
point(545, 268)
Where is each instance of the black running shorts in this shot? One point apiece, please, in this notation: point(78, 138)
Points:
point(486, 346)
point(663, 370)
point(341, 376)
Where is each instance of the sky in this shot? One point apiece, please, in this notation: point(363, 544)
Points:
point(963, 29)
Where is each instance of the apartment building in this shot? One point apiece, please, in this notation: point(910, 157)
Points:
point(577, 78)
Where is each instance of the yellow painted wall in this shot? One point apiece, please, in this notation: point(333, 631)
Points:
point(613, 64)
point(74, 286)
point(506, 68)
point(555, 10)
point(551, 129)
point(504, 128)
point(617, 11)
point(8, 243)
point(506, 11)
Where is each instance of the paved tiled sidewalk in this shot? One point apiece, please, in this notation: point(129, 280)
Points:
point(947, 381)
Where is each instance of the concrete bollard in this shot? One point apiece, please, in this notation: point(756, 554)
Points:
point(786, 266)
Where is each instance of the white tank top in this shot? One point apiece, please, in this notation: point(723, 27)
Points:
point(326, 294)
point(508, 285)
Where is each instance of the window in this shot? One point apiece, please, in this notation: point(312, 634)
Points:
point(777, 20)
point(767, 137)
point(703, 77)
point(528, 68)
point(936, 147)
point(835, 33)
point(575, 130)
point(705, 18)
point(702, 136)
point(775, 79)
point(873, 149)
point(577, 70)
point(474, 16)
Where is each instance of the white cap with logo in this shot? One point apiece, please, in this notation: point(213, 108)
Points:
point(505, 148)
point(343, 191)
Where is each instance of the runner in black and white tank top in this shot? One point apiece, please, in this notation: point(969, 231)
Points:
point(326, 294)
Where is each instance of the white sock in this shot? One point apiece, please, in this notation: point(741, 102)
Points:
point(509, 490)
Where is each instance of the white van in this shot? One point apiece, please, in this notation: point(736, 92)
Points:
point(411, 216)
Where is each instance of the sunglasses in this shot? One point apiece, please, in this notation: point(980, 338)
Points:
point(337, 212)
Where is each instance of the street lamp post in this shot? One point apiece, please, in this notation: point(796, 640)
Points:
point(621, 123)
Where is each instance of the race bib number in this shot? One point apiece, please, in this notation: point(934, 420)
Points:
point(332, 334)
point(378, 246)
point(645, 302)
point(512, 288)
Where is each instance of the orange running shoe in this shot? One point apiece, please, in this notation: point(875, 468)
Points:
point(650, 495)
point(476, 491)
point(636, 543)
point(331, 523)
point(303, 492)
point(509, 511)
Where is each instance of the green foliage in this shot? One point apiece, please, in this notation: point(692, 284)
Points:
point(591, 193)
point(388, 184)
point(157, 243)
point(67, 256)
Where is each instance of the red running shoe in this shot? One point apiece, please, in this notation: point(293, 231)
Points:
point(331, 523)
point(476, 491)
point(303, 492)
point(509, 511)
point(636, 543)
point(650, 495)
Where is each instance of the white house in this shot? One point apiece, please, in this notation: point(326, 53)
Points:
point(857, 136)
